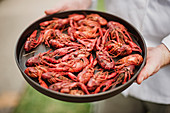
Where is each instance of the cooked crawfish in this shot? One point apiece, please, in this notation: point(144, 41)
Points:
point(88, 72)
point(97, 18)
point(55, 23)
point(75, 65)
point(105, 60)
point(107, 84)
point(88, 43)
point(119, 77)
point(116, 29)
point(85, 29)
point(63, 51)
point(49, 57)
point(36, 72)
point(54, 77)
point(33, 41)
point(75, 17)
point(84, 32)
point(90, 28)
point(126, 72)
point(103, 57)
point(36, 60)
point(57, 39)
point(87, 54)
point(117, 49)
point(133, 59)
point(73, 55)
point(98, 78)
point(120, 33)
point(67, 87)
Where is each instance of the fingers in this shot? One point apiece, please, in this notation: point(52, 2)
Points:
point(50, 11)
point(55, 10)
point(156, 58)
point(64, 5)
point(149, 69)
point(144, 74)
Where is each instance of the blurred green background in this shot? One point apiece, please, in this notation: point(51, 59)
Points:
point(34, 102)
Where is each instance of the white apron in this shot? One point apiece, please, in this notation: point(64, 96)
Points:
point(152, 19)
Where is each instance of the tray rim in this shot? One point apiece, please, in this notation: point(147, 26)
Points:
point(80, 98)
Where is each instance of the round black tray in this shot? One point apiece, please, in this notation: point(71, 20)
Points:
point(21, 59)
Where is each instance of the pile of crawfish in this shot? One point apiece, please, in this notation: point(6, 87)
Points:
point(87, 54)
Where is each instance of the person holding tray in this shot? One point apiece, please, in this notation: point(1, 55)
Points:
point(152, 19)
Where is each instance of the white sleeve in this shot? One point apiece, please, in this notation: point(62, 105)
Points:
point(166, 41)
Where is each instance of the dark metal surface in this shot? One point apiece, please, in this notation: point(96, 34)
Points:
point(21, 59)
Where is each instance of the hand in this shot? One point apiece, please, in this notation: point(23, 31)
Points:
point(63, 5)
point(157, 57)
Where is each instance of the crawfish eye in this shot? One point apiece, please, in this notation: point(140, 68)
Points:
point(54, 87)
point(58, 56)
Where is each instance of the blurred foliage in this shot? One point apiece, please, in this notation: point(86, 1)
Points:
point(34, 102)
point(100, 5)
